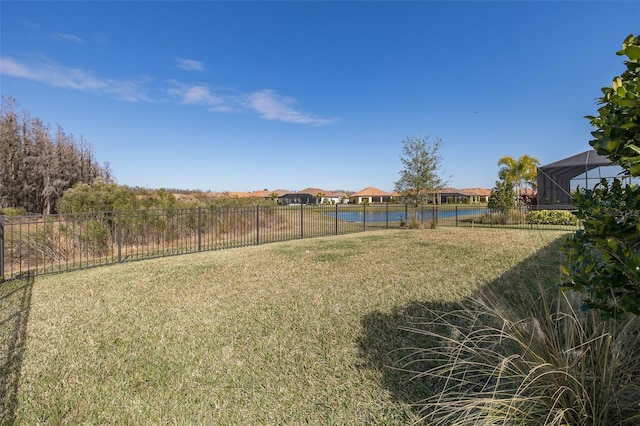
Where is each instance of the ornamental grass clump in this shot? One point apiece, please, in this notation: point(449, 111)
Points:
point(528, 356)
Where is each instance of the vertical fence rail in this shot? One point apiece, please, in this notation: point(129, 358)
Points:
point(364, 217)
point(301, 221)
point(1, 247)
point(119, 235)
point(386, 222)
point(257, 242)
point(199, 228)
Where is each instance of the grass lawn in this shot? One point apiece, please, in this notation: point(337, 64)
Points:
point(300, 332)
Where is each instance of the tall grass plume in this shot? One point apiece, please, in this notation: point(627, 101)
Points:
point(527, 356)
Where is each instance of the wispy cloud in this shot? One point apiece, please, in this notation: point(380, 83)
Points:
point(272, 106)
point(200, 94)
point(190, 64)
point(50, 73)
point(67, 37)
point(269, 104)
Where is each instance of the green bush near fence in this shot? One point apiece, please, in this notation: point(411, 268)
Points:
point(508, 217)
point(551, 217)
point(13, 211)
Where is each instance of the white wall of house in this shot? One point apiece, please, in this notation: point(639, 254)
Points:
point(333, 200)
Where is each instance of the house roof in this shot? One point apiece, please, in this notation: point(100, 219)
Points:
point(554, 180)
point(476, 191)
point(371, 192)
point(264, 193)
point(298, 194)
point(314, 191)
point(324, 192)
point(576, 164)
point(337, 194)
point(366, 192)
point(281, 191)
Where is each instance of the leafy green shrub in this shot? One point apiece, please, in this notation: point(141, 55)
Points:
point(99, 197)
point(551, 217)
point(603, 261)
point(502, 197)
point(617, 133)
point(13, 211)
point(508, 217)
point(528, 356)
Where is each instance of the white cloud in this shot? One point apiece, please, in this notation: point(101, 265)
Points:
point(199, 94)
point(68, 37)
point(272, 106)
point(72, 78)
point(267, 103)
point(190, 64)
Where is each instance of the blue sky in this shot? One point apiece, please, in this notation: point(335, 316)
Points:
point(242, 96)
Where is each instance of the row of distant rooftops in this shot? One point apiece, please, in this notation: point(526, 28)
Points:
point(369, 194)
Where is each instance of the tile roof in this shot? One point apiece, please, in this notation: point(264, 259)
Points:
point(313, 191)
point(371, 192)
point(366, 192)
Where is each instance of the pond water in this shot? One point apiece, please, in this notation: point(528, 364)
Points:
point(396, 216)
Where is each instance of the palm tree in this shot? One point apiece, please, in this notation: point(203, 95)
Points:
point(520, 173)
point(530, 170)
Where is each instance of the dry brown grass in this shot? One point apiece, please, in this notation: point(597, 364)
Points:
point(273, 334)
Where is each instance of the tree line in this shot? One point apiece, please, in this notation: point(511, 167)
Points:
point(37, 165)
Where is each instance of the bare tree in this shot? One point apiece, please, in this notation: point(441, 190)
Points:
point(36, 168)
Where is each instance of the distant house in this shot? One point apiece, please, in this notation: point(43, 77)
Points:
point(370, 195)
point(270, 195)
point(296, 198)
point(463, 196)
point(337, 198)
point(326, 197)
point(451, 196)
point(477, 195)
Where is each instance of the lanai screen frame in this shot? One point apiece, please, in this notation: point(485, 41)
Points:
point(554, 180)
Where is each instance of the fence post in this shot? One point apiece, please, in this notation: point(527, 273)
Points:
point(456, 215)
point(257, 224)
point(387, 224)
point(1, 247)
point(364, 216)
point(119, 236)
point(301, 221)
point(199, 228)
point(336, 218)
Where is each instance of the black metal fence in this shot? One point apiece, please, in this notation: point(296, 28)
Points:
point(55, 243)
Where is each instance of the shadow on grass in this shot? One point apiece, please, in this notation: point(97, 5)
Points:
point(385, 347)
point(15, 304)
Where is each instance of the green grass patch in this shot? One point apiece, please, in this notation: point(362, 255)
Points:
point(300, 332)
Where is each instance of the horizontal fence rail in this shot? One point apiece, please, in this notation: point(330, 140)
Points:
point(40, 245)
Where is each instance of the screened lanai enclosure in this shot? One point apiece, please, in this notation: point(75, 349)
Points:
point(556, 181)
